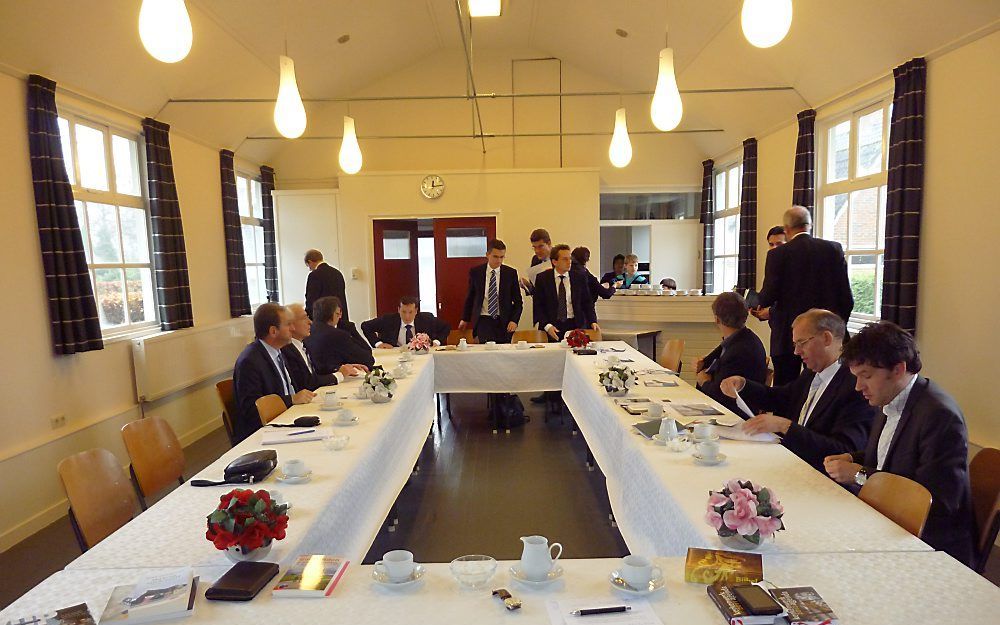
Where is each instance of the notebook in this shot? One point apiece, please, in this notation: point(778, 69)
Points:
point(311, 576)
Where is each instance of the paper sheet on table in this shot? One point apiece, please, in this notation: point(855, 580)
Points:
point(742, 405)
point(736, 432)
point(640, 614)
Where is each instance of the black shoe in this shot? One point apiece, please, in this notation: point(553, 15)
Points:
point(539, 399)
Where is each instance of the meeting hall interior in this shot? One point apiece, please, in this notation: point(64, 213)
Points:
point(474, 311)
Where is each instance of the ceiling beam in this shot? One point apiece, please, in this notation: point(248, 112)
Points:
point(484, 136)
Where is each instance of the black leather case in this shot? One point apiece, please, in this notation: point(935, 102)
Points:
point(242, 582)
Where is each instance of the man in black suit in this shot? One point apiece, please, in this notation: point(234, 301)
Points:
point(562, 299)
point(920, 435)
point(581, 256)
point(398, 328)
point(324, 281)
point(802, 274)
point(493, 304)
point(299, 361)
point(740, 353)
point(261, 370)
point(820, 413)
point(541, 243)
point(334, 345)
point(617, 273)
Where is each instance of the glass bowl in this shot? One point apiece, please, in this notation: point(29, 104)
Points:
point(336, 442)
point(473, 571)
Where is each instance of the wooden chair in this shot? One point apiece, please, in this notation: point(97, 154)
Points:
point(455, 335)
point(156, 455)
point(101, 498)
point(673, 350)
point(531, 336)
point(769, 376)
point(269, 407)
point(902, 500)
point(595, 335)
point(228, 398)
point(984, 476)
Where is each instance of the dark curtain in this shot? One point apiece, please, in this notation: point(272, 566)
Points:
point(904, 200)
point(804, 181)
point(747, 271)
point(173, 291)
point(236, 269)
point(270, 244)
point(72, 307)
point(708, 224)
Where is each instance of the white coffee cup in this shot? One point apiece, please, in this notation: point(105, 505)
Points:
point(704, 431)
point(294, 468)
point(491, 345)
point(400, 371)
point(708, 450)
point(638, 571)
point(330, 400)
point(522, 344)
point(276, 496)
point(346, 416)
point(397, 564)
point(668, 428)
point(655, 410)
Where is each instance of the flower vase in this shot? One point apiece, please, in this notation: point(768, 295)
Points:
point(421, 352)
point(739, 542)
point(613, 393)
point(236, 553)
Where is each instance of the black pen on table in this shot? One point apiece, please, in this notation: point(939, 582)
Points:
point(609, 610)
point(302, 432)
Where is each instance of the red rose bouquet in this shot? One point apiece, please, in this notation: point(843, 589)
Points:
point(577, 339)
point(246, 519)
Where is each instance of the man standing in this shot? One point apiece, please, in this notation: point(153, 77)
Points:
point(399, 328)
point(562, 300)
point(820, 413)
point(581, 256)
point(299, 361)
point(332, 345)
point(740, 353)
point(802, 274)
point(920, 434)
point(324, 281)
point(493, 305)
point(541, 242)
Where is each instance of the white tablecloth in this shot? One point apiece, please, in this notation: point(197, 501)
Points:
point(506, 369)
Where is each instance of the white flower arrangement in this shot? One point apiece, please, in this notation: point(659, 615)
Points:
point(379, 384)
point(618, 379)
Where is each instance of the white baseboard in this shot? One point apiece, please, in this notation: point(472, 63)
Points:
point(33, 524)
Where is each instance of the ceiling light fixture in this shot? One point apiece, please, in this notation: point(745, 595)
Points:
point(620, 151)
point(350, 151)
point(666, 109)
point(766, 22)
point(485, 8)
point(289, 114)
point(165, 29)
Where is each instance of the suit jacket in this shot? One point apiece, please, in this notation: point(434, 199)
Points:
point(508, 291)
point(741, 354)
point(596, 290)
point(331, 347)
point(931, 446)
point(839, 422)
point(323, 281)
point(804, 273)
point(546, 301)
point(254, 376)
point(302, 376)
point(385, 329)
point(611, 277)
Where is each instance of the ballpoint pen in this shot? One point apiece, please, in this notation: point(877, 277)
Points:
point(608, 610)
point(302, 432)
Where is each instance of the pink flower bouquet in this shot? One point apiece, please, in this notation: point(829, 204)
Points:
point(743, 509)
point(420, 342)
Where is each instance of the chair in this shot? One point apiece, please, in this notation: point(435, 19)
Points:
point(455, 335)
point(902, 500)
point(156, 454)
point(984, 476)
point(228, 398)
point(531, 336)
point(673, 350)
point(101, 498)
point(769, 376)
point(595, 335)
point(269, 407)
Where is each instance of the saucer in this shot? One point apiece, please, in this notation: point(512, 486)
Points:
point(719, 459)
point(382, 578)
point(326, 408)
point(657, 583)
point(295, 479)
point(342, 423)
point(696, 440)
point(659, 440)
point(554, 574)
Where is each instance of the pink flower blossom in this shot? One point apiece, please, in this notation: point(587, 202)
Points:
point(743, 494)
point(716, 499)
point(733, 485)
point(743, 517)
point(713, 518)
point(768, 525)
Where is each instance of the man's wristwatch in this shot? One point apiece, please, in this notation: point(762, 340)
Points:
point(861, 476)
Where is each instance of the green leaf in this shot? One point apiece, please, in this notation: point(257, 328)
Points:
point(218, 516)
point(764, 496)
point(249, 521)
point(259, 506)
point(754, 538)
point(229, 525)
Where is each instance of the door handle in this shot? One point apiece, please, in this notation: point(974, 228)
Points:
point(440, 306)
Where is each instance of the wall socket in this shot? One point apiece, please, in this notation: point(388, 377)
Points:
point(58, 421)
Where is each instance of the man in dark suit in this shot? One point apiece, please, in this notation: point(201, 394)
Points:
point(617, 273)
point(920, 435)
point(802, 274)
point(740, 353)
point(398, 328)
point(493, 305)
point(562, 299)
point(332, 347)
point(820, 413)
point(299, 361)
point(541, 243)
point(324, 281)
point(581, 256)
point(261, 370)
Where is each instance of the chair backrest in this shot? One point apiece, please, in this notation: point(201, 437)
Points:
point(156, 454)
point(902, 500)
point(984, 477)
point(531, 336)
point(670, 358)
point(101, 496)
point(269, 407)
point(228, 398)
point(595, 335)
point(455, 335)
point(769, 376)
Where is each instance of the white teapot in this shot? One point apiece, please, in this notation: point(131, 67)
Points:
point(537, 559)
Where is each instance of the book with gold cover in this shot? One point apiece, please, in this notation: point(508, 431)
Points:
point(709, 566)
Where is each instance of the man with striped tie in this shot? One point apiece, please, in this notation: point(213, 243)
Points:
point(493, 305)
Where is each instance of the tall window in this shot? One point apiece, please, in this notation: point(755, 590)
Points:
point(853, 158)
point(103, 167)
point(728, 186)
point(252, 224)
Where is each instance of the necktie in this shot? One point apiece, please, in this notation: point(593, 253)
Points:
point(494, 301)
point(409, 333)
point(309, 363)
point(810, 399)
point(561, 308)
point(284, 375)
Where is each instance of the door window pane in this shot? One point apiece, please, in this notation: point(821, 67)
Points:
point(465, 242)
point(835, 218)
point(861, 271)
point(139, 287)
point(81, 219)
point(104, 233)
point(734, 188)
point(864, 219)
point(396, 245)
point(108, 291)
point(249, 245)
point(93, 162)
point(134, 241)
point(837, 151)
point(241, 196)
point(870, 144)
point(67, 150)
point(125, 153)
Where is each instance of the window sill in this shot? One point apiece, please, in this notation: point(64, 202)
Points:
point(128, 336)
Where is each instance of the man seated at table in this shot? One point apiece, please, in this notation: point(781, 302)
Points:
point(920, 434)
point(333, 344)
point(820, 413)
point(740, 353)
point(260, 369)
point(299, 361)
point(493, 304)
point(562, 300)
point(398, 328)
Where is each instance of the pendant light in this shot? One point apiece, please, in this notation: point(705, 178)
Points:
point(766, 22)
point(350, 151)
point(666, 109)
point(165, 29)
point(485, 8)
point(289, 114)
point(620, 152)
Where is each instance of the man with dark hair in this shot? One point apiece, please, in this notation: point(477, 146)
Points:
point(398, 328)
point(581, 256)
point(617, 273)
point(324, 281)
point(562, 299)
point(261, 370)
point(493, 304)
point(740, 353)
point(776, 237)
point(541, 243)
point(920, 435)
point(299, 360)
point(336, 347)
point(820, 413)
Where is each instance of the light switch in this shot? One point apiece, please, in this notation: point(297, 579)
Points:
point(355, 273)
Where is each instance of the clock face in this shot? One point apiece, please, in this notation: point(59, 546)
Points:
point(432, 187)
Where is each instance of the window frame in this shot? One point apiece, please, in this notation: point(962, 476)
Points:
point(720, 214)
point(255, 220)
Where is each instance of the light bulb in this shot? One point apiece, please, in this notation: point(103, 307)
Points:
point(666, 109)
point(484, 8)
point(766, 22)
point(289, 114)
point(350, 151)
point(620, 151)
point(165, 29)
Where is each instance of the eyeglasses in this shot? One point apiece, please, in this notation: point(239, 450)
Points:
point(799, 344)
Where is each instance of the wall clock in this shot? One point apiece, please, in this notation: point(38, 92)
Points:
point(432, 187)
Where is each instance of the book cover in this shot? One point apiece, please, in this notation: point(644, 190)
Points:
point(696, 410)
point(804, 606)
point(660, 383)
point(152, 599)
point(311, 576)
point(711, 566)
point(734, 613)
point(73, 615)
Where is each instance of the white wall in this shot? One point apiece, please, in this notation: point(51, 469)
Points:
point(676, 252)
point(304, 220)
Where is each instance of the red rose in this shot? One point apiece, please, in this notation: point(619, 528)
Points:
point(253, 537)
point(263, 494)
point(221, 538)
point(243, 496)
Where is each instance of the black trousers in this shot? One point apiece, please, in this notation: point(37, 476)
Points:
point(786, 368)
point(489, 329)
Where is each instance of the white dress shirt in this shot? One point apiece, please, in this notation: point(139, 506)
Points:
point(485, 312)
point(305, 356)
point(569, 295)
point(819, 383)
point(893, 411)
point(286, 378)
point(401, 335)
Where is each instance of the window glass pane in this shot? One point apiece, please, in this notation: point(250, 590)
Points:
point(838, 145)
point(261, 284)
point(93, 161)
point(730, 279)
point(650, 205)
point(81, 218)
point(881, 217)
point(104, 233)
point(732, 234)
point(139, 287)
point(720, 191)
point(258, 237)
point(861, 271)
point(108, 291)
point(249, 245)
point(880, 265)
point(870, 144)
point(734, 188)
point(835, 218)
point(255, 195)
point(252, 288)
point(67, 150)
point(864, 219)
point(125, 153)
point(241, 196)
point(396, 245)
point(465, 242)
point(718, 235)
point(718, 274)
point(134, 240)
